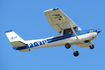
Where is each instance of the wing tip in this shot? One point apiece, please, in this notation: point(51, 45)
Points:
point(51, 9)
point(55, 9)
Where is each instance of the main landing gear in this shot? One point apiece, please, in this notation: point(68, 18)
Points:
point(76, 53)
point(67, 45)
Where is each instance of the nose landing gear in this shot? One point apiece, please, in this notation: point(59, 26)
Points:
point(91, 46)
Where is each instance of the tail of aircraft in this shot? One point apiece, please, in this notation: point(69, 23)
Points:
point(15, 40)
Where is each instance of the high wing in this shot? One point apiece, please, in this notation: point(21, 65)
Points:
point(58, 20)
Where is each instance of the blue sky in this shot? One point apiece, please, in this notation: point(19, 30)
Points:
point(27, 19)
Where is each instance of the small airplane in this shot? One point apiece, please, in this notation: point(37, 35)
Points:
point(69, 34)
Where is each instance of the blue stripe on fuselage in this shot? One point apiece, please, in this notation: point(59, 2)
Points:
point(46, 41)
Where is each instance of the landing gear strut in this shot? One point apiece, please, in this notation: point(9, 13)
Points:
point(76, 53)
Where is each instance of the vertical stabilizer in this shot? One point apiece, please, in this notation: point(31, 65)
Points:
point(15, 40)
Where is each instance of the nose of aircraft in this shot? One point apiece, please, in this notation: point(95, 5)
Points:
point(98, 31)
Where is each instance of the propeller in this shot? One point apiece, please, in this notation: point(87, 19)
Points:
point(98, 31)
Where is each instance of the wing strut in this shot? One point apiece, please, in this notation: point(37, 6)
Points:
point(73, 31)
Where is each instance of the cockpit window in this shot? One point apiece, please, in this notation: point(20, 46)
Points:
point(68, 31)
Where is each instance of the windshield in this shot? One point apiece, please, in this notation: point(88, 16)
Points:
point(58, 33)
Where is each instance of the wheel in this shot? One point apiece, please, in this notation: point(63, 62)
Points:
point(91, 46)
point(76, 53)
point(67, 45)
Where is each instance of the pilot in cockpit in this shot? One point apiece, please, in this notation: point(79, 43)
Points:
point(70, 31)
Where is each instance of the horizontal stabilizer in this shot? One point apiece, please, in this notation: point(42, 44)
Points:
point(18, 44)
point(26, 50)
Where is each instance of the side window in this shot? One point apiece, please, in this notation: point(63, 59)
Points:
point(68, 31)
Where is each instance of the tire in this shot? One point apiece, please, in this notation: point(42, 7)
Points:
point(76, 53)
point(91, 46)
point(67, 45)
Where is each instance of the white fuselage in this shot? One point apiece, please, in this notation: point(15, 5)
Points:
point(47, 42)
